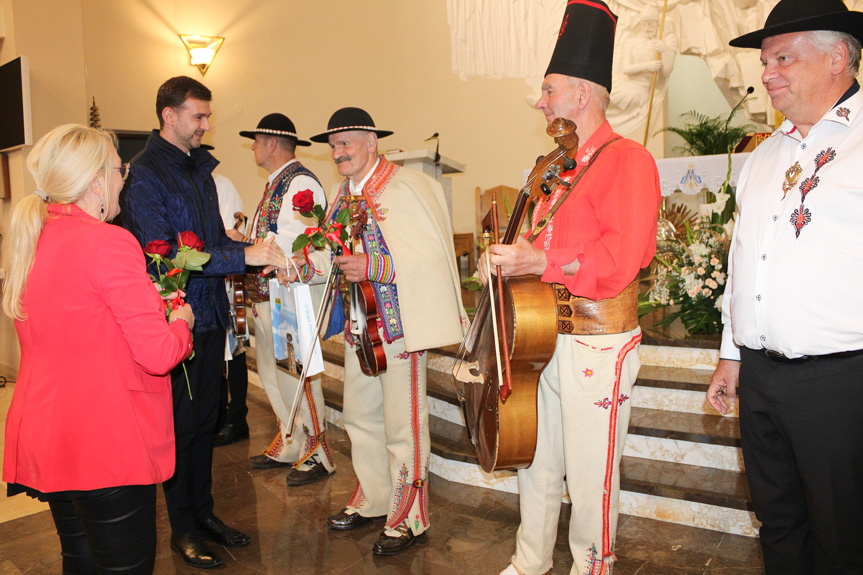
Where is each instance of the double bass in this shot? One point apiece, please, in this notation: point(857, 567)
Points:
point(513, 334)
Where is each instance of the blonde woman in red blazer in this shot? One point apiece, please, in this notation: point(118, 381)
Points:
point(90, 427)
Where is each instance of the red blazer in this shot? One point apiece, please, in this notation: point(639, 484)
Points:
point(92, 407)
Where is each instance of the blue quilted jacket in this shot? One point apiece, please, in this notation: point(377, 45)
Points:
point(170, 192)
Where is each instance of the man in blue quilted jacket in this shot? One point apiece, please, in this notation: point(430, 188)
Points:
point(171, 190)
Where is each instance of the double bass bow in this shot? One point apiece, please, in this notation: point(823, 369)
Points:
point(513, 334)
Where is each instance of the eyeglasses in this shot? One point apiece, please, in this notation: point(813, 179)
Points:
point(124, 171)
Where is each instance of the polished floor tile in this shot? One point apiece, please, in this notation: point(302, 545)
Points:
point(473, 530)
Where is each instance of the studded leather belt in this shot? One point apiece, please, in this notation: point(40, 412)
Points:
point(583, 316)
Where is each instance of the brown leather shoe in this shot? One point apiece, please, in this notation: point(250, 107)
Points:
point(314, 470)
point(263, 462)
point(344, 521)
point(194, 550)
point(386, 545)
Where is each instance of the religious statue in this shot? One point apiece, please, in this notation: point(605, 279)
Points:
point(646, 63)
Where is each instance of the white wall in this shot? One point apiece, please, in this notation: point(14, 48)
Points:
point(691, 87)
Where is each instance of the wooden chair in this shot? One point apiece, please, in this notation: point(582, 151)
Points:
point(464, 246)
point(506, 198)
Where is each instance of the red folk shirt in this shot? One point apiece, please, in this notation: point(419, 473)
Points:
point(608, 222)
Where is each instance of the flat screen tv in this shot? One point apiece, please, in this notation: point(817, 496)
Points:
point(16, 129)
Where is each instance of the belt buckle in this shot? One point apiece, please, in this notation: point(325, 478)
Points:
point(774, 355)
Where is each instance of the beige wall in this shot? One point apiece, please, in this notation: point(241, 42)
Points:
point(302, 58)
point(51, 35)
point(305, 59)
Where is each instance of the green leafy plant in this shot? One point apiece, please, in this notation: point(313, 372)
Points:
point(705, 135)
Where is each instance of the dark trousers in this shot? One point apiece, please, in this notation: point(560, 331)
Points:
point(188, 493)
point(801, 426)
point(113, 531)
point(232, 397)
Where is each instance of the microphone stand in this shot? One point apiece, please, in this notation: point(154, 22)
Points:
point(730, 206)
point(749, 91)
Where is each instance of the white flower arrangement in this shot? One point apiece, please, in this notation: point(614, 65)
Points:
point(693, 276)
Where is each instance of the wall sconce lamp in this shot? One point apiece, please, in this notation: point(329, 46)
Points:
point(202, 50)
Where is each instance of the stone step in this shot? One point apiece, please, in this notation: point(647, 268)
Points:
point(677, 428)
point(670, 422)
point(679, 466)
point(671, 491)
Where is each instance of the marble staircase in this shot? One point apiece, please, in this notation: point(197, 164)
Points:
point(682, 460)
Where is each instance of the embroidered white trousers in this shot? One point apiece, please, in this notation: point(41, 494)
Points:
point(386, 418)
point(308, 436)
point(583, 408)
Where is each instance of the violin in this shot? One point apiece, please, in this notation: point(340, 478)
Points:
point(370, 346)
point(237, 293)
point(514, 332)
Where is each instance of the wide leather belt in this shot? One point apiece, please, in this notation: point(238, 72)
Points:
point(583, 316)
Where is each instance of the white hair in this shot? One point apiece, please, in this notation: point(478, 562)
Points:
point(597, 91)
point(824, 40)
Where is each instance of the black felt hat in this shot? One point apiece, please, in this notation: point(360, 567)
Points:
point(585, 43)
point(802, 16)
point(276, 125)
point(347, 119)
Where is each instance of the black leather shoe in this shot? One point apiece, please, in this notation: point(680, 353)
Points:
point(263, 462)
point(315, 471)
point(194, 550)
point(214, 529)
point(343, 521)
point(386, 545)
point(229, 434)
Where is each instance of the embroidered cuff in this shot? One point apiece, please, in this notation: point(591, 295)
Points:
point(307, 272)
point(380, 269)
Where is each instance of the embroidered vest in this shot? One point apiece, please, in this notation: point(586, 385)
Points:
point(270, 207)
point(374, 243)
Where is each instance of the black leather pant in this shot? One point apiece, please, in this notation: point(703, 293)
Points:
point(111, 532)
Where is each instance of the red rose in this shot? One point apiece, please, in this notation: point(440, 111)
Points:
point(158, 248)
point(190, 240)
point(304, 201)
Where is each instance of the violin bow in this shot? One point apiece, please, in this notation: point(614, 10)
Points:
point(307, 357)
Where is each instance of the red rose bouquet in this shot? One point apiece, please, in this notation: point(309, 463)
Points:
point(335, 234)
point(189, 258)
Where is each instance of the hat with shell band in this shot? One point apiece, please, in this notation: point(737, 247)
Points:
point(276, 125)
point(347, 119)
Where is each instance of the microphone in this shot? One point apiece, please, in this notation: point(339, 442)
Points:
point(749, 91)
point(436, 148)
